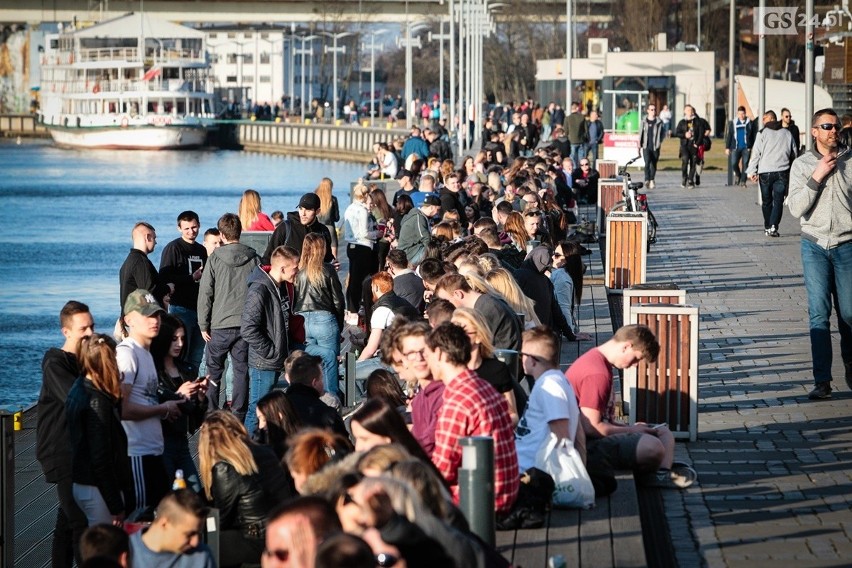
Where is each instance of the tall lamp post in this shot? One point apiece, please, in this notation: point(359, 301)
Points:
point(373, 35)
point(334, 51)
point(408, 42)
point(272, 53)
point(440, 36)
point(304, 52)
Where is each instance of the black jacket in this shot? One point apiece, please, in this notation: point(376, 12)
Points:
point(98, 444)
point(410, 287)
point(178, 262)
point(399, 306)
point(291, 233)
point(264, 322)
point(244, 501)
point(698, 129)
point(138, 272)
point(441, 149)
point(451, 202)
point(538, 287)
point(53, 446)
point(314, 412)
point(325, 296)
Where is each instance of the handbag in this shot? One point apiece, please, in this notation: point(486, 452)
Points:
point(295, 322)
point(561, 460)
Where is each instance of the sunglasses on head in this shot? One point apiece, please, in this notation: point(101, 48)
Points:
point(830, 126)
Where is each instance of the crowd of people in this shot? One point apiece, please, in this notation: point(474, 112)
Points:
point(242, 347)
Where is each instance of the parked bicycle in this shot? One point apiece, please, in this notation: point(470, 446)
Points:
point(635, 200)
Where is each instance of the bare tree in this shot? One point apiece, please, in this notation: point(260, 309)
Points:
point(640, 20)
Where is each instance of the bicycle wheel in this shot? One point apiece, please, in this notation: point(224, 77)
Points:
point(619, 207)
point(652, 229)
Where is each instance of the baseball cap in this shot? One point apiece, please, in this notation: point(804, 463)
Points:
point(403, 173)
point(432, 200)
point(309, 201)
point(142, 301)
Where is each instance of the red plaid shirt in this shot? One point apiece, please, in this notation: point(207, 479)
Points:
point(472, 407)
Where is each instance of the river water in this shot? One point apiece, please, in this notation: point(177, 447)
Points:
point(67, 221)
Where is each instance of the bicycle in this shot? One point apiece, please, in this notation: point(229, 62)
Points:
point(635, 201)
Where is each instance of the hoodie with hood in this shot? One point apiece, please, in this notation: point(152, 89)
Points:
point(264, 321)
point(538, 287)
point(223, 286)
point(774, 150)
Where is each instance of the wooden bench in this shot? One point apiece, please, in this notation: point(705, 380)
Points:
point(608, 535)
point(608, 169)
point(610, 192)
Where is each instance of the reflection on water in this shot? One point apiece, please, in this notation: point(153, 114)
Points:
point(67, 217)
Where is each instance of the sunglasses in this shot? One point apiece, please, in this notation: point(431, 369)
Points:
point(830, 126)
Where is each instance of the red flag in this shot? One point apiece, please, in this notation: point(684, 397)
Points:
point(151, 73)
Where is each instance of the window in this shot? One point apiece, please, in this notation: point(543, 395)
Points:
point(248, 78)
point(248, 35)
point(264, 58)
point(232, 58)
point(231, 79)
point(264, 35)
point(214, 58)
point(248, 58)
point(212, 36)
point(265, 79)
point(232, 35)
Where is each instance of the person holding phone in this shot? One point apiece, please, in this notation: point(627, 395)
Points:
point(821, 196)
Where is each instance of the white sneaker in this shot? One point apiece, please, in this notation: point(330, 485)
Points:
point(651, 184)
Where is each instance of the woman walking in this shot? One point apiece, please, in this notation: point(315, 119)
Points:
point(360, 232)
point(319, 299)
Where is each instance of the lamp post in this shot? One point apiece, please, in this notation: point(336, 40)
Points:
point(272, 54)
point(335, 50)
point(440, 36)
point(304, 52)
point(569, 50)
point(408, 42)
point(373, 35)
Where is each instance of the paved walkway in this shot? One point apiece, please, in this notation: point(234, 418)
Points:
point(774, 468)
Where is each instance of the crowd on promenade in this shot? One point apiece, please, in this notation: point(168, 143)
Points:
point(243, 347)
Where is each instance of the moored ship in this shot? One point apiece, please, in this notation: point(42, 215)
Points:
point(133, 82)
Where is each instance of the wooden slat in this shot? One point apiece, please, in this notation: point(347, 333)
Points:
point(683, 372)
point(531, 548)
point(628, 549)
point(595, 538)
point(563, 535)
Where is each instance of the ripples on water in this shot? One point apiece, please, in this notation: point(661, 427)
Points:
point(67, 221)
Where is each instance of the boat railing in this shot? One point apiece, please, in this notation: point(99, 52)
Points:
point(101, 86)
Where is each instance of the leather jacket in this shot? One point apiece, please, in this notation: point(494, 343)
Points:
point(326, 296)
point(98, 444)
point(264, 321)
point(244, 501)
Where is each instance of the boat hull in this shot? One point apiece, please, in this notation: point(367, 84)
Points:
point(129, 137)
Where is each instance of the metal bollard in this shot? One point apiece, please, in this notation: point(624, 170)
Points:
point(476, 485)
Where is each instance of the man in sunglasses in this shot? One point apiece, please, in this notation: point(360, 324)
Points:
point(821, 195)
point(773, 152)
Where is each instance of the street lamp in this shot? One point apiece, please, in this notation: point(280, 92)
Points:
point(335, 50)
point(408, 43)
point(373, 35)
point(272, 43)
point(304, 52)
point(440, 36)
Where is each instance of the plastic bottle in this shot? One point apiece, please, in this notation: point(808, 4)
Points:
point(179, 482)
point(556, 561)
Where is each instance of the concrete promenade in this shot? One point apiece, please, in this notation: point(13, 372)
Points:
point(774, 468)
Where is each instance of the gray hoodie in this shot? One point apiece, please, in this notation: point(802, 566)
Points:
point(773, 151)
point(825, 209)
point(223, 286)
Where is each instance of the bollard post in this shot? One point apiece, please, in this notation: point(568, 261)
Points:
point(476, 485)
point(7, 489)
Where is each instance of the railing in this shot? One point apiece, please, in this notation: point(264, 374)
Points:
point(129, 54)
point(122, 85)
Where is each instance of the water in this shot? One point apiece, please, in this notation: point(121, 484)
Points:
point(67, 221)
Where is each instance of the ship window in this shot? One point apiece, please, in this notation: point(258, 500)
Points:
point(212, 36)
point(181, 107)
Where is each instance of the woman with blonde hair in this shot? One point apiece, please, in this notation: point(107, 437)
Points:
point(100, 468)
point(251, 217)
point(329, 212)
point(503, 281)
point(361, 234)
point(319, 299)
point(483, 362)
point(244, 481)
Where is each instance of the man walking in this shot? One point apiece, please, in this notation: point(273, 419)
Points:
point(820, 185)
point(650, 140)
point(575, 128)
point(738, 143)
point(690, 130)
point(181, 263)
point(60, 369)
point(221, 300)
point(773, 153)
point(264, 325)
point(141, 411)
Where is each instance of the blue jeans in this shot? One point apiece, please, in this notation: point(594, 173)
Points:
point(226, 387)
point(322, 338)
point(773, 188)
point(260, 383)
point(577, 151)
point(828, 280)
point(222, 342)
point(194, 350)
point(176, 455)
point(740, 172)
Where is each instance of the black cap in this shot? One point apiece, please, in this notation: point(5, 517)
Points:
point(432, 199)
point(403, 173)
point(309, 201)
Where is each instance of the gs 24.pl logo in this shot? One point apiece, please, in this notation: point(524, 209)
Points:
point(787, 20)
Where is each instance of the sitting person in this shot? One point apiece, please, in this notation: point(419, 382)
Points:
point(585, 182)
point(306, 387)
point(174, 538)
point(105, 542)
point(644, 448)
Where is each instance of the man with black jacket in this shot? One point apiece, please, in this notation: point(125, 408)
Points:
point(264, 325)
point(138, 271)
point(60, 369)
point(181, 263)
point(291, 232)
point(691, 132)
point(221, 299)
point(306, 387)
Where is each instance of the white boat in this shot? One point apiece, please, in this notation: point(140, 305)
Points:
point(134, 82)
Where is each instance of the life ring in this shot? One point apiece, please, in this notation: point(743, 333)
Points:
point(124, 122)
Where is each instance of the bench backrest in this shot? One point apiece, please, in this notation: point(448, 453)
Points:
point(626, 249)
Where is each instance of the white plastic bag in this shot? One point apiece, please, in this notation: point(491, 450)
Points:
point(561, 460)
